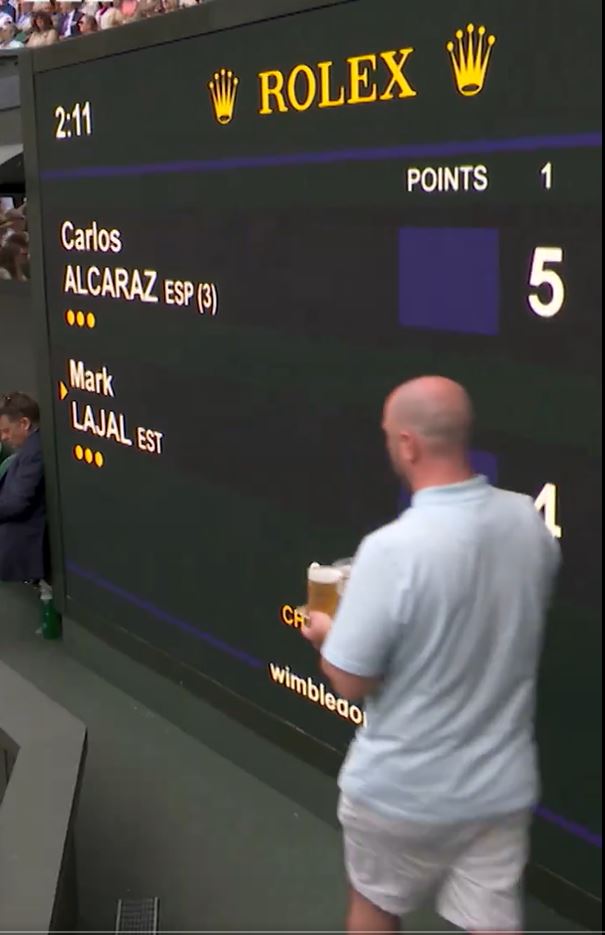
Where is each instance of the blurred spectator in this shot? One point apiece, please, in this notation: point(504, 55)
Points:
point(7, 9)
point(21, 242)
point(110, 18)
point(67, 19)
point(45, 6)
point(128, 9)
point(14, 261)
point(14, 241)
point(149, 8)
point(12, 222)
point(87, 24)
point(103, 9)
point(43, 31)
point(16, 216)
point(24, 20)
point(8, 34)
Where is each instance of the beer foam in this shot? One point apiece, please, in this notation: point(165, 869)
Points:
point(324, 575)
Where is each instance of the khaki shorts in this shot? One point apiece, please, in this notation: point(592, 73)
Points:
point(475, 869)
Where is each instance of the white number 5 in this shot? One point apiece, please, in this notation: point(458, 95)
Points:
point(546, 502)
point(540, 275)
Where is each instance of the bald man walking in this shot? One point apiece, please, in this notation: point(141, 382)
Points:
point(440, 630)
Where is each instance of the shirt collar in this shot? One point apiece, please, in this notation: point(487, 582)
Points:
point(31, 440)
point(452, 493)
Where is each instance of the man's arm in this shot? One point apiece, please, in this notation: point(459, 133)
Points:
point(20, 487)
point(357, 646)
point(353, 687)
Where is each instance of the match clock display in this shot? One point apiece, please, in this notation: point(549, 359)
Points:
point(75, 121)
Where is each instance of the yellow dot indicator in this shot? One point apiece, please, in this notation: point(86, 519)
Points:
point(99, 459)
point(80, 319)
point(91, 320)
point(70, 317)
point(88, 456)
point(78, 452)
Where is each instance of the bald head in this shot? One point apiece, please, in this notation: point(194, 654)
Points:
point(436, 409)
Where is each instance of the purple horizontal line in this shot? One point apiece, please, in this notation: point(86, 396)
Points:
point(406, 151)
point(572, 827)
point(165, 617)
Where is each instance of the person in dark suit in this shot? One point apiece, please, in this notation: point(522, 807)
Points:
point(67, 19)
point(23, 555)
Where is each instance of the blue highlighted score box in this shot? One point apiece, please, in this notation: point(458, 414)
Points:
point(482, 462)
point(449, 279)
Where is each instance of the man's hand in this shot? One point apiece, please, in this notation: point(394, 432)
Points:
point(317, 628)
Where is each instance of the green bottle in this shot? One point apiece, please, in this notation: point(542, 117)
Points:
point(51, 618)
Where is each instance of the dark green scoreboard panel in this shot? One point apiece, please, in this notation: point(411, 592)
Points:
point(249, 237)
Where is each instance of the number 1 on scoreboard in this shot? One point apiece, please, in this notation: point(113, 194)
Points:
point(546, 503)
point(547, 174)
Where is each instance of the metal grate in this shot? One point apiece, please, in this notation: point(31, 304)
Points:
point(138, 915)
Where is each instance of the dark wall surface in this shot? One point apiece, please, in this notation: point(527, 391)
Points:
point(17, 355)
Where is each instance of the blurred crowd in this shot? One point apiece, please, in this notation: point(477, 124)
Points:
point(31, 23)
point(14, 240)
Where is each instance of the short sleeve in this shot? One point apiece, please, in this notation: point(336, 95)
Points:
point(365, 627)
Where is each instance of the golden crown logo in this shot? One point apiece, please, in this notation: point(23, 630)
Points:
point(470, 56)
point(223, 92)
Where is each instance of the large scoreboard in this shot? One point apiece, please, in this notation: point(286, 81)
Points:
point(248, 233)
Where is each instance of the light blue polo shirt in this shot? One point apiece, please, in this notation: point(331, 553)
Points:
point(447, 606)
